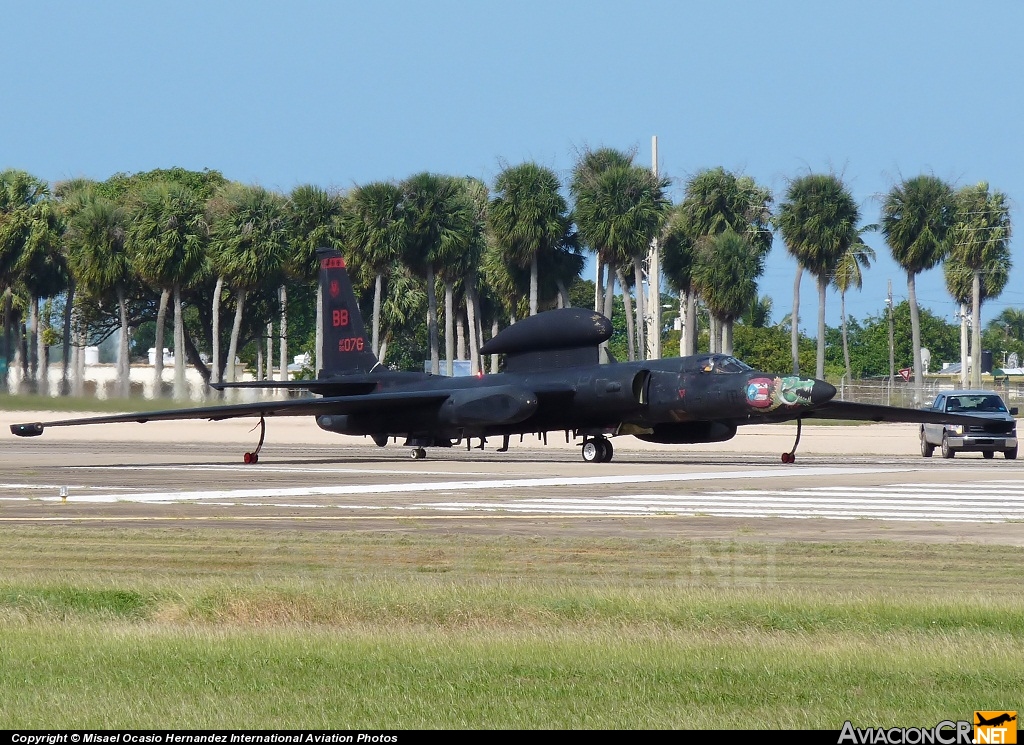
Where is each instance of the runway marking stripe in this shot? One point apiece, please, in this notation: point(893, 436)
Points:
point(988, 501)
point(457, 486)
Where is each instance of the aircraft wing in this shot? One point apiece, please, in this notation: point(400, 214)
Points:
point(879, 413)
point(292, 407)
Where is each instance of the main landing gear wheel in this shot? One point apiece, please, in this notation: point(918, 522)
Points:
point(597, 450)
point(418, 454)
point(254, 457)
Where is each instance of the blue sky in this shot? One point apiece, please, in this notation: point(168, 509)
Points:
point(341, 93)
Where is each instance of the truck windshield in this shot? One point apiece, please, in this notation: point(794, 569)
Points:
point(975, 403)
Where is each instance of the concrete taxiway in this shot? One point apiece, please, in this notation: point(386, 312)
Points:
point(858, 482)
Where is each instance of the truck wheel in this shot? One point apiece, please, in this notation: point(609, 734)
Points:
point(1010, 454)
point(989, 454)
point(947, 451)
point(926, 447)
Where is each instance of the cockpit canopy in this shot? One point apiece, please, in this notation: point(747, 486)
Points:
point(715, 364)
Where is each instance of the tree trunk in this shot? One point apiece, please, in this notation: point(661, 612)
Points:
point(435, 352)
point(158, 359)
point(682, 324)
point(124, 368)
point(474, 327)
point(727, 335)
point(915, 335)
point(846, 343)
point(383, 351)
point(65, 364)
point(976, 331)
point(964, 346)
point(714, 333)
point(78, 383)
point(449, 327)
point(609, 298)
point(820, 365)
point(283, 331)
point(460, 334)
point(563, 293)
point(794, 333)
point(236, 328)
point(598, 287)
point(534, 289)
point(32, 348)
point(270, 351)
point(378, 289)
point(180, 385)
point(638, 281)
point(41, 372)
point(319, 351)
point(692, 325)
point(215, 370)
point(627, 303)
point(494, 357)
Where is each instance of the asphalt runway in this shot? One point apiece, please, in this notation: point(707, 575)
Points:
point(86, 480)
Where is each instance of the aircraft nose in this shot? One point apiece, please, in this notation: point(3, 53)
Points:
point(822, 392)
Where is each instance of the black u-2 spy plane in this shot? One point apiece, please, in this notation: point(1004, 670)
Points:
point(552, 382)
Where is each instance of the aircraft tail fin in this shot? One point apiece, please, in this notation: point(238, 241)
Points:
point(346, 348)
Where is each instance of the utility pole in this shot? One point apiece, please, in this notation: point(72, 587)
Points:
point(965, 322)
point(892, 345)
point(653, 280)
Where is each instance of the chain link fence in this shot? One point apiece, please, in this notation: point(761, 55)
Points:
point(904, 394)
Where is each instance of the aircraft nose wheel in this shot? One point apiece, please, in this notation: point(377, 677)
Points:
point(790, 457)
point(597, 450)
point(254, 457)
point(418, 454)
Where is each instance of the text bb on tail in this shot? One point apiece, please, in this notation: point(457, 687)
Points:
point(346, 348)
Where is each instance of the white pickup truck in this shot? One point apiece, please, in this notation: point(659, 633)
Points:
point(1000, 433)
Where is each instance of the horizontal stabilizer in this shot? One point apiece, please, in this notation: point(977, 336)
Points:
point(294, 407)
point(878, 413)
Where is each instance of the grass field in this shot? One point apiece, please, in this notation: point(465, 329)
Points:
point(216, 628)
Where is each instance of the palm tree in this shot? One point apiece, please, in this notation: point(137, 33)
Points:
point(72, 197)
point(980, 249)
point(439, 220)
point(716, 201)
point(248, 242)
point(101, 265)
point(725, 273)
point(167, 237)
point(42, 271)
point(20, 192)
point(619, 211)
point(916, 217)
point(584, 185)
point(528, 218)
point(818, 221)
point(480, 239)
point(849, 275)
point(375, 226)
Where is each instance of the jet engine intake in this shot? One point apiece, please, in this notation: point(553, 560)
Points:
point(339, 423)
point(487, 406)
